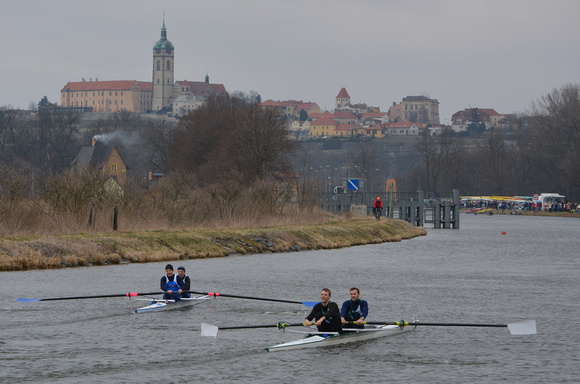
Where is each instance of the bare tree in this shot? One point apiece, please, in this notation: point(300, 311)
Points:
point(556, 124)
point(226, 138)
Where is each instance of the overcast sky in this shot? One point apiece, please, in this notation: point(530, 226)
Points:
point(499, 54)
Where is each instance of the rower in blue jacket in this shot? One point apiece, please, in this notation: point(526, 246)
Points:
point(171, 284)
point(354, 310)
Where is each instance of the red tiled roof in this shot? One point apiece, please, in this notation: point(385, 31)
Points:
point(201, 88)
point(343, 94)
point(373, 115)
point(320, 114)
point(377, 127)
point(343, 115)
point(271, 103)
point(489, 111)
point(113, 85)
point(323, 121)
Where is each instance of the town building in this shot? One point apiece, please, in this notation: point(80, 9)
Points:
point(416, 109)
point(142, 96)
point(107, 96)
point(462, 119)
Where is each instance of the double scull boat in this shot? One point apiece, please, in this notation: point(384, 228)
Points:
point(157, 305)
point(351, 335)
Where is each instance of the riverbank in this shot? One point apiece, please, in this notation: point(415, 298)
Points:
point(46, 252)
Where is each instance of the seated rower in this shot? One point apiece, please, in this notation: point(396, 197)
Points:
point(326, 314)
point(354, 310)
point(186, 281)
point(172, 284)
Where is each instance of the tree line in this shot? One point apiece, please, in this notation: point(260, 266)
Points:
point(541, 155)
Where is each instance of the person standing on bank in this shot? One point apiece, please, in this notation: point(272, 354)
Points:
point(355, 309)
point(326, 314)
point(186, 281)
point(172, 284)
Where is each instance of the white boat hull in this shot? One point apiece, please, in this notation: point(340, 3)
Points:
point(370, 332)
point(160, 305)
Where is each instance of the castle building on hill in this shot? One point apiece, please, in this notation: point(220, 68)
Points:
point(161, 94)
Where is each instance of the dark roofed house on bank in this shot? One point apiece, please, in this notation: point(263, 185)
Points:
point(105, 157)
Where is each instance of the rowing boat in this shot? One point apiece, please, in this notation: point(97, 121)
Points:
point(157, 305)
point(352, 335)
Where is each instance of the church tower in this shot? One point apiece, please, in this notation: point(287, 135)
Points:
point(163, 56)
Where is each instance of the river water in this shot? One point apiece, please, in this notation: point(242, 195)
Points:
point(475, 274)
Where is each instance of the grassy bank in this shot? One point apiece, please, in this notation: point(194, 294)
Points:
point(43, 252)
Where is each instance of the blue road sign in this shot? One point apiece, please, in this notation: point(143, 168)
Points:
point(353, 184)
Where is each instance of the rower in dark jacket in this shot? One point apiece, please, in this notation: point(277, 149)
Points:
point(172, 284)
point(186, 281)
point(354, 310)
point(326, 314)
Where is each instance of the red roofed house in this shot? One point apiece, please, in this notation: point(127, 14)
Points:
point(378, 130)
point(325, 126)
point(108, 96)
point(461, 120)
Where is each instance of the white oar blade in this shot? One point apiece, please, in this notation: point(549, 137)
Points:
point(209, 330)
point(527, 327)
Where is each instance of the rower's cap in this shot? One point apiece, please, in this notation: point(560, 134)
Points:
point(169, 266)
point(182, 268)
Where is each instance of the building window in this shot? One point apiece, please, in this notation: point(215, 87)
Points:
point(168, 65)
point(158, 65)
point(115, 93)
point(114, 167)
point(157, 81)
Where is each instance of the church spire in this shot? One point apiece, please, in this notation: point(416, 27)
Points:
point(163, 29)
point(163, 43)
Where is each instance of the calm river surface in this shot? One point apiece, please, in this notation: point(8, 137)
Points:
point(474, 274)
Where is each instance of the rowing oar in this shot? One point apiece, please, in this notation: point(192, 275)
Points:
point(210, 330)
point(215, 294)
point(527, 327)
point(130, 294)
